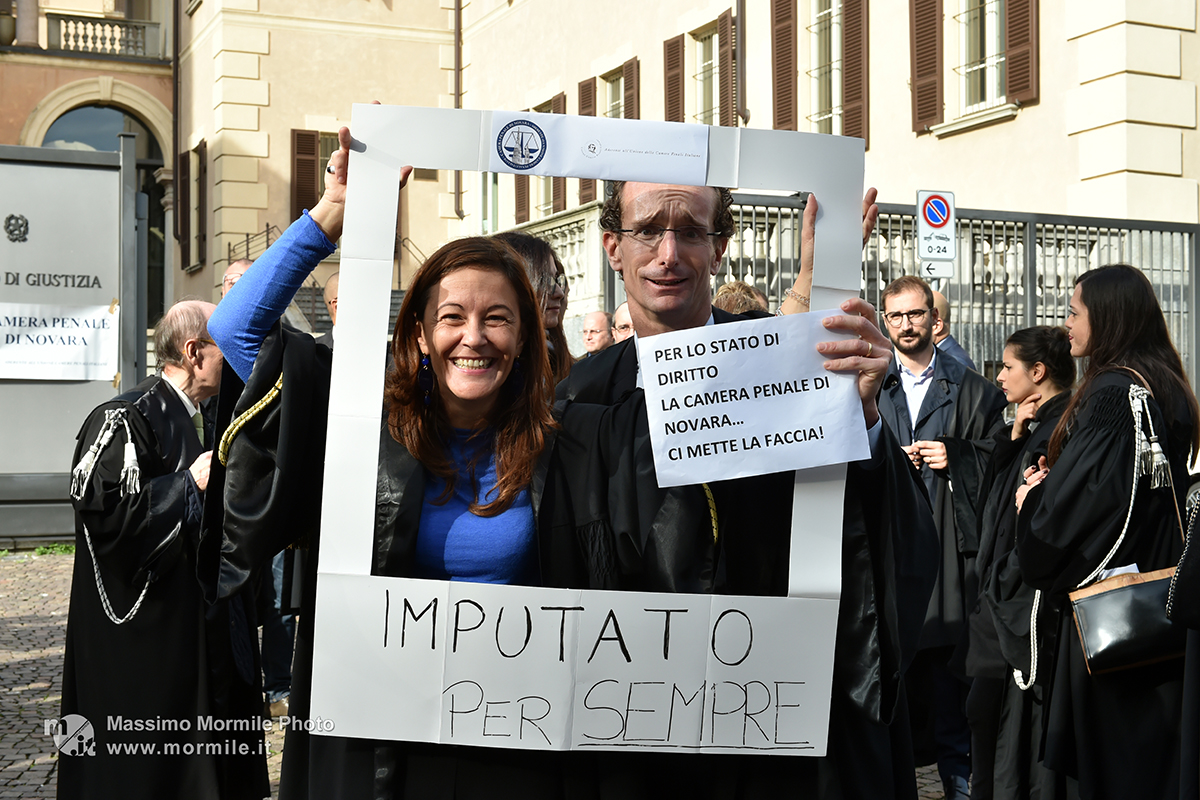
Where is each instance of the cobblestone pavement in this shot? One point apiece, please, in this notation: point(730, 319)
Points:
point(34, 593)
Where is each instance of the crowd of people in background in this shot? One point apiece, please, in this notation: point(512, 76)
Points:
point(979, 511)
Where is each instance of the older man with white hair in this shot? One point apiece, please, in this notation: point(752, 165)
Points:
point(143, 648)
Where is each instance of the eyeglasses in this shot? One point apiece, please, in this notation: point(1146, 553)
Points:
point(688, 235)
point(622, 328)
point(592, 332)
point(915, 317)
point(561, 282)
point(230, 280)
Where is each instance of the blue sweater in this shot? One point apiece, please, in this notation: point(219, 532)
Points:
point(452, 543)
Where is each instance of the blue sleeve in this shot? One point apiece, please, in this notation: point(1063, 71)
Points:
point(257, 301)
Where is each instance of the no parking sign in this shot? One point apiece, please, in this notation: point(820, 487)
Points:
point(936, 240)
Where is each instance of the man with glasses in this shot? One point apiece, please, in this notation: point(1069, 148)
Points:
point(597, 332)
point(733, 537)
point(233, 274)
point(622, 325)
point(142, 644)
point(944, 414)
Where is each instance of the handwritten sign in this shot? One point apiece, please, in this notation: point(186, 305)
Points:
point(530, 668)
point(55, 343)
point(518, 667)
point(748, 398)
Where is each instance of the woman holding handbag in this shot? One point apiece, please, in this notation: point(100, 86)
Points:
point(1037, 375)
point(1105, 501)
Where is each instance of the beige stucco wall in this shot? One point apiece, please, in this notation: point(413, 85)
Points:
point(253, 70)
point(1113, 133)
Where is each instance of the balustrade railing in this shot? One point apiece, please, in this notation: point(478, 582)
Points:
point(118, 37)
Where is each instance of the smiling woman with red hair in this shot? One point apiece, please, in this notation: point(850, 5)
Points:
point(465, 421)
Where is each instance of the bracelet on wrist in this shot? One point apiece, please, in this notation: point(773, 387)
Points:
point(799, 298)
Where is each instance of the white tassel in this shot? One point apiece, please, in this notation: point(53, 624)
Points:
point(82, 473)
point(131, 478)
point(1160, 471)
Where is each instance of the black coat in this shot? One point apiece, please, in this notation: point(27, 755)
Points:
point(177, 659)
point(1118, 732)
point(962, 409)
point(1006, 722)
point(636, 536)
point(272, 499)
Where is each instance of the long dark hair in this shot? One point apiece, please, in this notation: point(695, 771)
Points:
point(543, 267)
point(1127, 329)
point(521, 419)
point(1049, 346)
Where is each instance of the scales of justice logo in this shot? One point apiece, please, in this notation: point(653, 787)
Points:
point(521, 144)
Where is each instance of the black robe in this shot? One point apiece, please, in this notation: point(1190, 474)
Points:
point(177, 660)
point(1117, 733)
point(636, 536)
point(1006, 723)
point(961, 409)
point(272, 499)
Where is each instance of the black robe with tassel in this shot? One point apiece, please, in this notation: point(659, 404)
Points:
point(1117, 733)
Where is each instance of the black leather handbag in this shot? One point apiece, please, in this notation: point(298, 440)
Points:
point(1122, 620)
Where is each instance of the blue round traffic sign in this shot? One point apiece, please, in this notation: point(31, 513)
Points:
point(935, 210)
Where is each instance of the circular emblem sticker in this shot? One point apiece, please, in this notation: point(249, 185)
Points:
point(521, 144)
point(592, 148)
point(17, 228)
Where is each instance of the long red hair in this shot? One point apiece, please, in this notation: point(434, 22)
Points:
point(521, 419)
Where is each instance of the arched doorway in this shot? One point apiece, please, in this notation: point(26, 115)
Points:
point(95, 127)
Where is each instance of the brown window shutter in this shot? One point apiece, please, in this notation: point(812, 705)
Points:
point(558, 186)
point(783, 64)
point(587, 108)
point(855, 73)
point(1021, 58)
point(673, 79)
point(726, 92)
point(926, 51)
point(306, 175)
point(631, 76)
point(183, 208)
point(521, 185)
point(202, 202)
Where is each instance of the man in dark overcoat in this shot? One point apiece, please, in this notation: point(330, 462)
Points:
point(944, 415)
point(161, 696)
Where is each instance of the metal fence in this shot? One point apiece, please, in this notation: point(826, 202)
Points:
point(1013, 270)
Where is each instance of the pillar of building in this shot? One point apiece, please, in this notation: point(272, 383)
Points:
point(27, 23)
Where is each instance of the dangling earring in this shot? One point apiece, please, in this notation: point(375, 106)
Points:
point(425, 377)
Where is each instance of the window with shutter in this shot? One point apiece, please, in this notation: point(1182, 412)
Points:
point(521, 190)
point(630, 85)
point(783, 64)
point(982, 64)
point(587, 108)
point(1021, 44)
point(925, 33)
point(726, 99)
point(825, 73)
point(855, 74)
point(704, 81)
point(558, 186)
point(202, 202)
point(673, 79)
point(306, 171)
point(183, 207)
